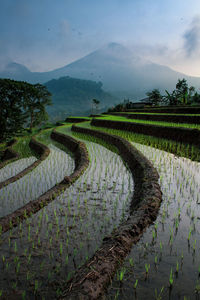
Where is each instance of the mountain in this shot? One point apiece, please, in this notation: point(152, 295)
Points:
point(72, 96)
point(121, 72)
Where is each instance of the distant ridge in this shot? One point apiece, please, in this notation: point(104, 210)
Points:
point(120, 71)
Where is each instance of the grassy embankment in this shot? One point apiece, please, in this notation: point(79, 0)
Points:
point(165, 124)
point(179, 149)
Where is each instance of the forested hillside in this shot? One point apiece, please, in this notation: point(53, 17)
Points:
point(74, 96)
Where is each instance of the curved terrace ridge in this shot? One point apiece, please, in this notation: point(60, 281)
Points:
point(38, 147)
point(81, 163)
point(92, 278)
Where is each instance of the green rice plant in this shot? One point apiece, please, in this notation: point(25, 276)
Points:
point(36, 286)
point(66, 259)
point(7, 266)
point(121, 274)
point(15, 248)
point(116, 295)
point(189, 234)
point(176, 224)
point(14, 285)
point(61, 248)
point(17, 267)
point(154, 235)
point(177, 268)
point(3, 259)
point(75, 251)
point(161, 246)
point(158, 296)
point(171, 235)
point(131, 262)
point(49, 275)
point(23, 295)
point(135, 284)
point(171, 279)
point(197, 288)
point(41, 265)
point(156, 260)
point(194, 245)
point(69, 276)
point(147, 268)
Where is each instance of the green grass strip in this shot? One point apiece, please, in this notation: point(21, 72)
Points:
point(79, 117)
point(156, 123)
point(179, 149)
point(22, 147)
point(44, 137)
point(157, 114)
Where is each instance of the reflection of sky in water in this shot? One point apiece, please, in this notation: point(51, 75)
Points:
point(49, 172)
point(76, 221)
point(16, 167)
point(179, 214)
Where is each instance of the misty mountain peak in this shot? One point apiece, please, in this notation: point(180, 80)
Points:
point(115, 48)
point(120, 54)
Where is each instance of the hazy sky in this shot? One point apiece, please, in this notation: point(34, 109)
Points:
point(46, 34)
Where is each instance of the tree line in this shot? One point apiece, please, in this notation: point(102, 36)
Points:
point(22, 105)
point(183, 94)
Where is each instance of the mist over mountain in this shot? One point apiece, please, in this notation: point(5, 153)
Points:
point(121, 72)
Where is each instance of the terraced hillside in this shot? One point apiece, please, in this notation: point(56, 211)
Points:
point(95, 196)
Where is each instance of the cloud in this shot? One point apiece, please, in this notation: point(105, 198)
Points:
point(148, 50)
point(192, 38)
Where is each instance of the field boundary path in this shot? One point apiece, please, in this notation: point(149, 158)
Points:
point(91, 280)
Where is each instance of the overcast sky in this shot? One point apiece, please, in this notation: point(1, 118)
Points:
point(47, 34)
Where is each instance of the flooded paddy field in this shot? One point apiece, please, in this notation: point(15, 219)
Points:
point(45, 250)
point(51, 171)
point(16, 167)
point(165, 263)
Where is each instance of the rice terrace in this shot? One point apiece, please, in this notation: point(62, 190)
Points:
point(99, 150)
point(98, 207)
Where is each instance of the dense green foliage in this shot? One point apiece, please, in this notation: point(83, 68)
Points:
point(154, 97)
point(21, 104)
point(12, 114)
point(182, 95)
point(74, 96)
point(36, 98)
